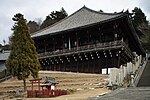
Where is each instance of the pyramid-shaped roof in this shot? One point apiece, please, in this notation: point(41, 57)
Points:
point(82, 17)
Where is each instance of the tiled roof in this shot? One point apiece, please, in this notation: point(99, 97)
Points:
point(50, 80)
point(82, 17)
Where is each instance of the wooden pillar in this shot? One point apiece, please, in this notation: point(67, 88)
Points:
point(100, 70)
point(94, 67)
point(70, 67)
point(54, 67)
point(106, 59)
point(100, 38)
point(45, 45)
point(88, 36)
point(42, 91)
point(32, 89)
point(32, 85)
point(77, 67)
point(39, 85)
point(53, 44)
point(107, 70)
point(59, 67)
point(77, 40)
point(64, 66)
point(63, 42)
point(118, 60)
point(82, 70)
point(100, 66)
point(88, 65)
point(69, 42)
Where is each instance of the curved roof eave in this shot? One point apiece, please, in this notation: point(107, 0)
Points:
point(82, 18)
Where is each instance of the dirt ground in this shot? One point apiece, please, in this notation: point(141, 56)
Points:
point(81, 86)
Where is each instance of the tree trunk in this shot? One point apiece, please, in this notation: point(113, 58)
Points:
point(24, 83)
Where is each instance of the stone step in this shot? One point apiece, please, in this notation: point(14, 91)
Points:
point(138, 93)
point(145, 77)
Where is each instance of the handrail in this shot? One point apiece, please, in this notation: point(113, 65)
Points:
point(140, 71)
point(86, 47)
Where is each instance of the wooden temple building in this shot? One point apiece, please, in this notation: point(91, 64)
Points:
point(88, 41)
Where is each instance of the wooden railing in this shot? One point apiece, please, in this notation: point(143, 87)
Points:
point(86, 48)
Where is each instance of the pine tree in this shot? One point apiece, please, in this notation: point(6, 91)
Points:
point(139, 18)
point(33, 26)
point(23, 59)
point(54, 17)
point(141, 25)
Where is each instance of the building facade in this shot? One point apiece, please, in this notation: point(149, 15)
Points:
point(4, 72)
point(88, 41)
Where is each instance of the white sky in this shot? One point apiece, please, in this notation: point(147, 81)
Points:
point(33, 9)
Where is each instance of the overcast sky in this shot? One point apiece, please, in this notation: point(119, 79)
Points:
point(34, 9)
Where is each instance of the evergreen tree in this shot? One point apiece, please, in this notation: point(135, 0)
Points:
point(101, 11)
point(54, 17)
point(33, 26)
point(139, 18)
point(23, 59)
point(141, 25)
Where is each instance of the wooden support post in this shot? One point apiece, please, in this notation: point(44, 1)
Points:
point(69, 41)
point(100, 66)
point(106, 70)
point(88, 66)
point(82, 66)
point(42, 91)
point(77, 67)
point(32, 86)
point(44, 46)
point(39, 85)
point(63, 42)
point(64, 66)
point(53, 44)
point(118, 61)
point(70, 66)
point(77, 40)
point(59, 67)
point(94, 67)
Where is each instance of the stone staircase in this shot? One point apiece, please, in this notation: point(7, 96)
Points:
point(144, 80)
point(137, 93)
point(141, 92)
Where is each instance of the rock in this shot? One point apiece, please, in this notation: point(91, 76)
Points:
point(79, 89)
point(91, 88)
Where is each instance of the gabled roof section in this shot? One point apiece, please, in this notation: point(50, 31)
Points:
point(82, 17)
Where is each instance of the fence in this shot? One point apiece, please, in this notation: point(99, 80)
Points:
point(126, 73)
point(46, 93)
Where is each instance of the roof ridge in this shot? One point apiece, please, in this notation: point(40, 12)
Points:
point(102, 12)
point(84, 7)
point(58, 21)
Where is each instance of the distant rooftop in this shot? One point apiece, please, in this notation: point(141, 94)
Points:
point(4, 55)
point(82, 17)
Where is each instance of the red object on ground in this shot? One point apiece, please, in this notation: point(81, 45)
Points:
point(48, 92)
